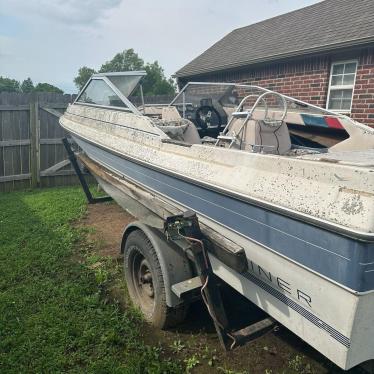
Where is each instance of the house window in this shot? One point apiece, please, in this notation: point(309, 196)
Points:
point(342, 82)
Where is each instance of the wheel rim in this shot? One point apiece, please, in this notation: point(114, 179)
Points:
point(143, 283)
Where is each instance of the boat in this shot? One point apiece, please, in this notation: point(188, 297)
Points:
point(301, 208)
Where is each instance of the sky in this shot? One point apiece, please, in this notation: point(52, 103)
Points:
point(49, 40)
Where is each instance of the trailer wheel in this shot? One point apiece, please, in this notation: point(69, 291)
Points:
point(145, 282)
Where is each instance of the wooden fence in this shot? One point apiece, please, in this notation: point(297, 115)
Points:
point(31, 152)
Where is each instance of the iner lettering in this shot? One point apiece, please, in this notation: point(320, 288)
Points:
point(280, 283)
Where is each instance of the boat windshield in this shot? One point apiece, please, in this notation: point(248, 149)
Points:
point(111, 90)
point(126, 82)
point(211, 106)
point(230, 95)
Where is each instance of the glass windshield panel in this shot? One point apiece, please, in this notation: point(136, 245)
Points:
point(125, 83)
point(99, 93)
point(210, 107)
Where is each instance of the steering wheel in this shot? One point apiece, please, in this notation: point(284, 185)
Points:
point(207, 116)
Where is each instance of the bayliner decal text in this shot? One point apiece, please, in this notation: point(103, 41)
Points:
point(256, 271)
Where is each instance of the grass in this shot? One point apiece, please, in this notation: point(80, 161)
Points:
point(54, 316)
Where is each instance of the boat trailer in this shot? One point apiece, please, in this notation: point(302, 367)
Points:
point(184, 231)
point(74, 162)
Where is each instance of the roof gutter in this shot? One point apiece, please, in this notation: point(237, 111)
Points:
point(301, 52)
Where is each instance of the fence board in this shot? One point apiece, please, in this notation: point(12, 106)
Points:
point(11, 143)
point(14, 107)
point(9, 178)
point(34, 135)
point(7, 152)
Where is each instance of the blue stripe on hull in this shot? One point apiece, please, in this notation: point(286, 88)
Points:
point(342, 259)
point(342, 339)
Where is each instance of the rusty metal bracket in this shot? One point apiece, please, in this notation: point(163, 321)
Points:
point(186, 227)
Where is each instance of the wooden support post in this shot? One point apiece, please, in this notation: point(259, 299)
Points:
point(34, 137)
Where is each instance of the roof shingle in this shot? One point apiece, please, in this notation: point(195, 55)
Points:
point(323, 26)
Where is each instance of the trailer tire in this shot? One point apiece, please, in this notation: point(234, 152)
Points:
point(145, 282)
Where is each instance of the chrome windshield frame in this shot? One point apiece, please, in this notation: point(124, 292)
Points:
point(104, 77)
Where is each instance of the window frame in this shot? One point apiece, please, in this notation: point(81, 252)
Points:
point(341, 87)
point(129, 106)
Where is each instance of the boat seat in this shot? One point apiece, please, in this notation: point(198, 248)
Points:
point(229, 111)
point(170, 113)
point(261, 137)
point(176, 127)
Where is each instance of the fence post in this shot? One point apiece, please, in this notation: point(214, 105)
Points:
point(34, 134)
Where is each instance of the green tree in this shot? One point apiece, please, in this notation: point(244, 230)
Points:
point(9, 85)
point(27, 85)
point(123, 61)
point(155, 83)
point(46, 87)
point(84, 74)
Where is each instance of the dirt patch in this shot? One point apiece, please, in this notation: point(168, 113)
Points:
point(195, 342)
point(108, 221)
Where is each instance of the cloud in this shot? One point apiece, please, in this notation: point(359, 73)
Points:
point(49, 40)
point(67, 12)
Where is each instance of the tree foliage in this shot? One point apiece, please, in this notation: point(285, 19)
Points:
point(84, 74)
point(155, 83)
point(46, 87)
point(9, 85)
point(27, 85)
point(123, 61)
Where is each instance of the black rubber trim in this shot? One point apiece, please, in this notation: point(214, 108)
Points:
point(236, 261)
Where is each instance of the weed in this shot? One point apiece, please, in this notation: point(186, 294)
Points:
point(210, 356)
point(299, 366)
point(229, 371)
point(177, 346)
point(191, 362)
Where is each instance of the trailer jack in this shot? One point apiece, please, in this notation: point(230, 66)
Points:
point(186, 227)
point(82, 180)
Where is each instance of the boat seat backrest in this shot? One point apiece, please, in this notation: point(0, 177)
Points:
point(269, 139)
point(178, 128)
point(191, 135)
point(170, 113)
point(229, 111)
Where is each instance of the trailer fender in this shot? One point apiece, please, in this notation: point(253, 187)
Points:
point(174, 264)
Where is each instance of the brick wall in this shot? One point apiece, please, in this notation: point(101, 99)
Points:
point(363, 95)
point(308, 79)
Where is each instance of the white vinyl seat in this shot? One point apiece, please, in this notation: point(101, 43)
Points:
point(259, 136)
point(269, 139)
point(176, 127)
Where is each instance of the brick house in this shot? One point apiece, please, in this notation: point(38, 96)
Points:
point(322, 54)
